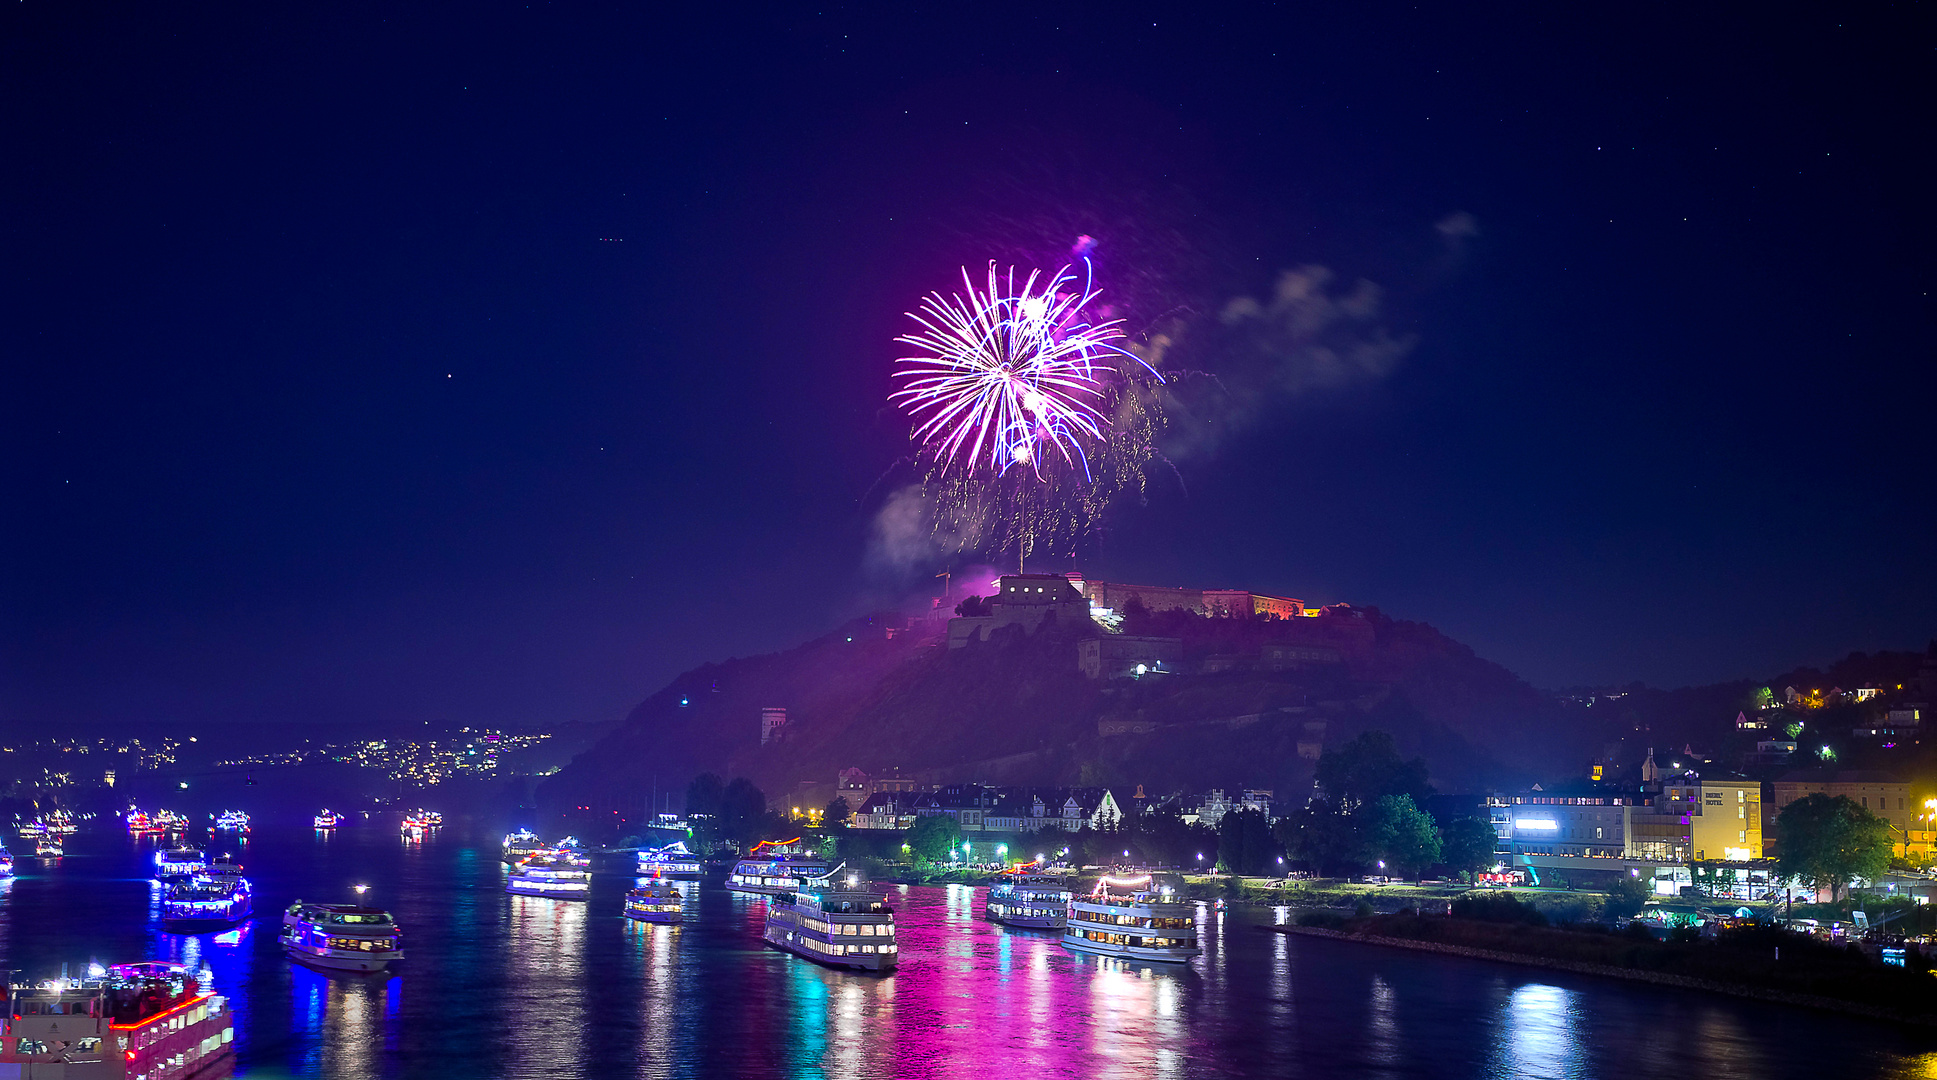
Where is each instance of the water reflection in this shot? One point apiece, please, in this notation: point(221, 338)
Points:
point(351, 1018)
point(547, 979)
point(1537, 1035)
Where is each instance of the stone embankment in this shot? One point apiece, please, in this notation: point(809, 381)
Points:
point(1758, 993)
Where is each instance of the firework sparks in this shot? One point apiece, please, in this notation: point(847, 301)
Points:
point(1008, 375)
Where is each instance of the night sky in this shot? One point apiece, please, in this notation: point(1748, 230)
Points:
point(497, 362)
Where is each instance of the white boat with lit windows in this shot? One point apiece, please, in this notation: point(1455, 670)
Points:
point(846, 927)
point(127, 1022)
point(6, 863)
point(1127, 917)
point(770, 869)
point(423, 819)
point(1028, 903)
point(325, 820)
point(232, 821)
point(521, 845)
point(180, 863)
point(671, 861)
point(47, 847)
point(206, 902)
point(559, 878)
point(658, 901)
point(341, 937)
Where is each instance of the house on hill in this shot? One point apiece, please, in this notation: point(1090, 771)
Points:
point(887, 810)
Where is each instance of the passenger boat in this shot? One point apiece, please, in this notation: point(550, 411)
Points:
point(61, 823)
point(849, 927)
point(1028, 902)
point(423, 819)
point(207, 902)
point(770, 872)
point(48, 847)
point(558, 878)
point(671, 861)
point(522, 845)
point(1125, 917)
point(341, 937)
point(125, 1022)
point(6, 863)
point(232, 821)
point(167, 821)
point(139, 822)
point(325, 820)
point(655, 902)
point(33, 830)
point(178, 863)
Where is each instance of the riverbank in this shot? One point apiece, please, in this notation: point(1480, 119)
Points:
point(1766, 965)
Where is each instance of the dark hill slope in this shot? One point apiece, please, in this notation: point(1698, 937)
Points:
point(1016, 709)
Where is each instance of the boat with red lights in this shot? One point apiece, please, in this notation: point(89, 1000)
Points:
point(423, 819)
point(341, 937)
point(844, 926)
point(1028, 902)
point(48, 847)
point(560, 876)
point(655, 902)
point(325, 820)
point(1129, 917)
point(127, 1022)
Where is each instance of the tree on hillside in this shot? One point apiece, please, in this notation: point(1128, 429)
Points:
point(1245, 844)
point(743, 813)
point(1827, 841)
point(836, 814)
point(933, 837)
point(1402, 835)
point(1467, 844)
point(1625, 898)
point(1368, 769)
point(972, 608)
point(703, 795)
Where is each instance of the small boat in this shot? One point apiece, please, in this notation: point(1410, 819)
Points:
point(177, 864)
point(341, 937)
point(671, 861)
point(558, 878)
point(167, 821)
point(655, 902)
point(851, 927)
point(6, 863)
point(521, 845)
point(325, 820)
point(232, 821)
point(1125, 917)
point(130, 1020)
point(1028, 903)
point(207, 902)
point(48, 848)
point(423, 819)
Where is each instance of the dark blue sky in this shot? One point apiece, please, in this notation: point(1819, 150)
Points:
point(498, 362)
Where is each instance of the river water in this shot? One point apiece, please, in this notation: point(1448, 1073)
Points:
point(503, 986)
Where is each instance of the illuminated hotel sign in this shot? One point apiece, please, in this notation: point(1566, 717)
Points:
point(1537, 824)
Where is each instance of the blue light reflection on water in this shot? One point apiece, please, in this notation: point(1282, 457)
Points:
point(502, 986)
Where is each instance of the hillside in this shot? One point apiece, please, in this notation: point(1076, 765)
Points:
point(1015, 709)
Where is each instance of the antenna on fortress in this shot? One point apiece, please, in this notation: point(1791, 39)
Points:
point(948, 578)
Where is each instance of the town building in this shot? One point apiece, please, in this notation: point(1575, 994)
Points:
point(886, 810)
point(1888, 797)
point(1113, 598)
point(1025, 600)
point(773, 723)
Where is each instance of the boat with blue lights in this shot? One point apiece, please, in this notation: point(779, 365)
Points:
point(178, 864)
point(671, 861)
point(657, 901)
point(1127, 917)
point(207, 902)
point(232, 821)
point(521, 845)
point(325, 820)
point(774, 867)
point(6, 863)
point(1028, 902)
point(341, 937)
point(557, 877)
point(840, 925)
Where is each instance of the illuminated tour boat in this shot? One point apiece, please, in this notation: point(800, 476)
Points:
point(176, 864)
point(34, 829)
point(655, 902)
point(232, 821)
point(423, 819)
point(1125, 917)
point(559, 878)
point(768, 871)
point(127, 1022)
point(341, 937)
point(206, 902)
point(6, 863)
point(842, 927)
point(47, 847)
point(521, 845)
point(167, 821)
point(325, 820)
point(671, 861)
point(1029, 903)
